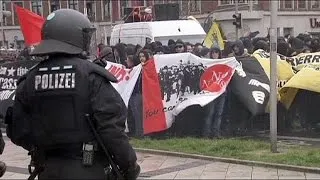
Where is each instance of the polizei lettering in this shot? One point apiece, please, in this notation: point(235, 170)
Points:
point(55, 81)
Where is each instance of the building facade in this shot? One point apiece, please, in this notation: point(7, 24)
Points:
point(103, 13)
point(294, 16)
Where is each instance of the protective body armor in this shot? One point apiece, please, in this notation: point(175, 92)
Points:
point(59, 97)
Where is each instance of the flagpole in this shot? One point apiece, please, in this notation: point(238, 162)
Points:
point(273, 75)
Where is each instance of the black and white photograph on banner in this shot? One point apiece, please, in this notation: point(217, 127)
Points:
point(180, 80)
point(186, 79)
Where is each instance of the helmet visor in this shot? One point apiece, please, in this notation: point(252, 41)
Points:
point(90, 41)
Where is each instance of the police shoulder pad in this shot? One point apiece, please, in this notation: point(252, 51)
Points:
point(22, 78)
point(103, 72)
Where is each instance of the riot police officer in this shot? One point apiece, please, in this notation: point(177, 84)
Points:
point(54, 99)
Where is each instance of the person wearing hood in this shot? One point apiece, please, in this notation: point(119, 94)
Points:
point(283, 48)
point(119, 52)
point(247, 44)
point(261, 45)
point(297, 45)
point(179, 46)
point(159, 50)
point(189, 47)
point(197, 49)
point(315, 44)
point(238, 49)
point(205, 53)
point(215, 53)
point(104, 55)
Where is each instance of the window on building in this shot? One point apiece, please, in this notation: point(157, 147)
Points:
point(231, 2)
point(123, 4)
point(36, 7)
point(286, 4)
point(195, 5)
point(158, 1)
point(15, 16)
point(315, 4)
point(73, 4)
point(55, 5)
point(142, 3)
point(107, 9)
point(91, 10)
point(302, 4)
point(4, 19)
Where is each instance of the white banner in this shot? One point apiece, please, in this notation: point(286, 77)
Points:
point(127, 79)
point(186, 79)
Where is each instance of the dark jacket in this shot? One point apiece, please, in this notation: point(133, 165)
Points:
point(105, 103)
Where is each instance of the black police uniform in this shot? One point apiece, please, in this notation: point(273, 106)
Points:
point(3, 166)
point(52, 101)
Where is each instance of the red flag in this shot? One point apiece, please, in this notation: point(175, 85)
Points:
point(30, 24)
point(154, 118)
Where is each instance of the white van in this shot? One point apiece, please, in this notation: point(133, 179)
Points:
point(142, 32)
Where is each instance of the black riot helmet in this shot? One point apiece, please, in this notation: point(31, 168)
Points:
point(65, 31)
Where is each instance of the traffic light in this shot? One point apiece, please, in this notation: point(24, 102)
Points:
point(237, 20)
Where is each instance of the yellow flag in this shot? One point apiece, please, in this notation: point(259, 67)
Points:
point(307, 78)
point(307, 74)
point(214, 37)
point(285, 73)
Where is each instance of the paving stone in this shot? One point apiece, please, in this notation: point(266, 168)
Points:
point(171, 175)
point(150, 165)
point(18, 176)
point(173, 161)
point(192, 173)
point(189, 160)
point(217, 167)
point(241, 168)
point(312, 176)
point(265, 177)
point(155, 158)
point(264, 169)
point(240, 177)
point(260, 171)
point(213, 175)
point(291, 177)
point(282, 172)
point(7, 175)
point(239, 174)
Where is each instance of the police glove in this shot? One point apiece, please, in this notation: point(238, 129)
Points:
point(100, 62)
point(132, 172)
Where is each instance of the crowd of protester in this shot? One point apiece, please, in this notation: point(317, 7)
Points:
point(218, 120)
point(223, 116)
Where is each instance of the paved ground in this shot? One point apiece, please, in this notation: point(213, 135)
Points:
point(164, 167)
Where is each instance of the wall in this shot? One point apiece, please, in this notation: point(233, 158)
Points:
point(260, 21)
